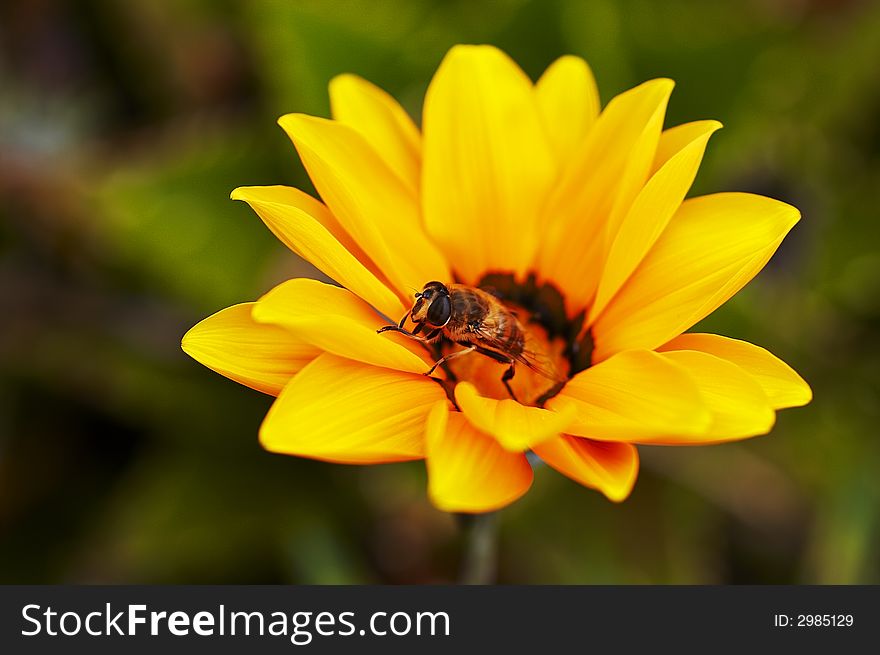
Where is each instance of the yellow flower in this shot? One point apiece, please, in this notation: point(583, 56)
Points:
point(577, 215)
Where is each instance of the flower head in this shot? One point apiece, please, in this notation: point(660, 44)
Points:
point(569, 219)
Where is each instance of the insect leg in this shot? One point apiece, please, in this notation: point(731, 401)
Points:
point(508, 376)
point(446, 358)
point(395, 328)
point(491, 354)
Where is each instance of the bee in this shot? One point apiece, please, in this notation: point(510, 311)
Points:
point(478, 321)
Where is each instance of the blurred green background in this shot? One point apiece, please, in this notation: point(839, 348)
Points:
point(123, 128)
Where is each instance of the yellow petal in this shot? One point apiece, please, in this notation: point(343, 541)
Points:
point(286, 195)
point(382, 121)
point(371, 202)
point(636, 171)
point(335, 320)
point(711, 248)
point(783, 386)
point(569, 104)
point(650, 214)
point(263, 357)
point(739, 406)
point(674, 139)
point(300, 223)
point(468, 471)
point(609, 467)
point(602, 178)
point(517, 427)
point(342, 411)
point(636, 396)
point(487, 164)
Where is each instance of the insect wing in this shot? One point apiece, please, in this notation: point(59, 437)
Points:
point(534, 359)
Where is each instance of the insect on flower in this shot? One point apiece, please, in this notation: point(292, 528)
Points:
point(475, 319)
point(558, 328)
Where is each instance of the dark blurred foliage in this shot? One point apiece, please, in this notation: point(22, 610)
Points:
point(123, 128)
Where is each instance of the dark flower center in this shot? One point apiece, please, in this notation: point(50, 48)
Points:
point(545, 305)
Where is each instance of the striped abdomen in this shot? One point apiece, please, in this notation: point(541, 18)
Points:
point(479, 318)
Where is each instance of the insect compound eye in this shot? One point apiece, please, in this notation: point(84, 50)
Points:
point(439, 311)
point(427, 294)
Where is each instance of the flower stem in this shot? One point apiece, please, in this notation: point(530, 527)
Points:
point(479, 562)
